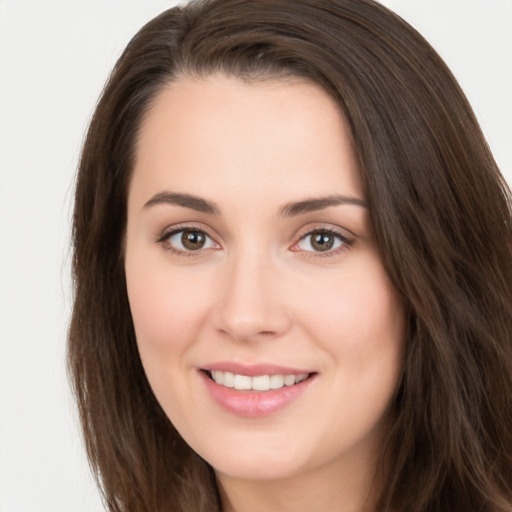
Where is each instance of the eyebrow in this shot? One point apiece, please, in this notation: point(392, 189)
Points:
point(289, 210)
point(315, 204)
point(186, 200)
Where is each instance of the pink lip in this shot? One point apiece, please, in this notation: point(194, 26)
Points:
point(254, 404)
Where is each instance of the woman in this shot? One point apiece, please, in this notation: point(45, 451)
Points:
point(293, 268)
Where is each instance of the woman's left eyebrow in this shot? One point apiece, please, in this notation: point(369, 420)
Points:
point(319, 203)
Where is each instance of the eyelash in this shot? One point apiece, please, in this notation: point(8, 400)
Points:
point(346, 242)
point(166, 235)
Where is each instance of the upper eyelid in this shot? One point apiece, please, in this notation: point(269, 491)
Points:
point(307, 230)
point(343, 238)
point(164, 240)
point(347, 238)
point(176, 228)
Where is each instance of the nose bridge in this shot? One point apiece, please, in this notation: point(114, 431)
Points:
point(250, 304)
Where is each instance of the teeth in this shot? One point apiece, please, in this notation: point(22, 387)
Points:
point(258, 383)
point(229, 379)
point(276, 381)
point(242, 382)
point(289, 380)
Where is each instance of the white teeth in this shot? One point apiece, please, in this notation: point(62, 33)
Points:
point(242, 382)
point(258, 383)
point(276, 381)
point(289, 380)
point(229, 379)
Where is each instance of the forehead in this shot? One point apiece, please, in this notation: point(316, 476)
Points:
point(220, 130)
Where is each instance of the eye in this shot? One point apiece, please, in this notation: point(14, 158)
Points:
point(188, 240)
point(322, 240)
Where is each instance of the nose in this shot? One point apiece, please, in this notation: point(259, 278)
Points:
point(252, 300)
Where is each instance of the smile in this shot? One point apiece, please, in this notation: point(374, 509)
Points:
point(266, 390)
point(256, 383)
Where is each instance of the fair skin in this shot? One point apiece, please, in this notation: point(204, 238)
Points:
point(236, 272)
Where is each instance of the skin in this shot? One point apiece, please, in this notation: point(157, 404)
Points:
point(260, 291)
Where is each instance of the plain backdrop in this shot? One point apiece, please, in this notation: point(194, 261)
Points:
point(54, 59)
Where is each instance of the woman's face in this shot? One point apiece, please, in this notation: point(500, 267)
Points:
point(267, 326)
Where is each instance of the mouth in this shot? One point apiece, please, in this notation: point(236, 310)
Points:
point(241, 382)
point(255, 391)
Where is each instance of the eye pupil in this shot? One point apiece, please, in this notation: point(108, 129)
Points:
point(193, 240)
point(322, 241)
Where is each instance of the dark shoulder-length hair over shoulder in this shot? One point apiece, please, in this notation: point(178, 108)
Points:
point(442, 217)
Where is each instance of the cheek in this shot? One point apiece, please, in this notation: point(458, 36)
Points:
point(356, 310)
point(360, 324)
point(168, 311)
point(167, 308)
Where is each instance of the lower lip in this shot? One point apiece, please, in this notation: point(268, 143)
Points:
point(254, 404)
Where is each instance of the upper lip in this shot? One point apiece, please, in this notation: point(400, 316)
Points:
point(253, 370)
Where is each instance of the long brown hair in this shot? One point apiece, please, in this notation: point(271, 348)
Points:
point(442, 217)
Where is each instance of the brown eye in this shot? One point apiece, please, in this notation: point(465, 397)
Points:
point(193, 240)
point(322, 241)
point(189, 240)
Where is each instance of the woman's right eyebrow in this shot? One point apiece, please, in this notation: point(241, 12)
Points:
point(185, 200)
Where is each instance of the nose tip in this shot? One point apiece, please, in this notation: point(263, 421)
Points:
point(246, 330)
point(251, 307)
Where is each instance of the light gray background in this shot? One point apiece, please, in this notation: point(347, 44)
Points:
point(54, 58)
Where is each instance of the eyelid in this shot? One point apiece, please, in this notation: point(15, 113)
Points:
point(169, 231)
point(346, 237)
point(327, 226)
point(343, 234)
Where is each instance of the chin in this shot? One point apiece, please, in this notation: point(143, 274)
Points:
point(261, 465)
point(257, 469)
